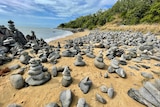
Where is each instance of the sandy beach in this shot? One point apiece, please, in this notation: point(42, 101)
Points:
point(39, 96)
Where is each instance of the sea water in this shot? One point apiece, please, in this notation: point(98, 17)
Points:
point(48, 34)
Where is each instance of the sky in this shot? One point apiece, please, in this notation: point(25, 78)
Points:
point(48, 13)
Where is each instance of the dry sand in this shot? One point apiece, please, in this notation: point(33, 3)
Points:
point(39, 96)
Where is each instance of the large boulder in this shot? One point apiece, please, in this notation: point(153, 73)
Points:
point(17, 81)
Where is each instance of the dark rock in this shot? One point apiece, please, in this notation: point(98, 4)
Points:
point(17, 81)
point(145, 66)
point(66, 98)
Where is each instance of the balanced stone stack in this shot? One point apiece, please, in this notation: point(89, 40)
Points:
point(114, 67)
point(67, 53)
point(66, 79)
point(37, 76)
point(79, 61)
point(98, 62)
point(148, 95)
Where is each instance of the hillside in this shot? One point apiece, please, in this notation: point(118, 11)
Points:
point(129, 12)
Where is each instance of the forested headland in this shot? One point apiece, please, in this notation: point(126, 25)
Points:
point(129, 12)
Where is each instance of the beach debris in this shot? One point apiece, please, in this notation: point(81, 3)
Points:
point(17, 81)
point(100, 99)
point(53, 104)
point(82, 103)
point(66, 79)
point(79, 61)
point(98, 62)
point(36, 74)
point(148, 94)
point(66, 98)
point(4, 71)
point(85, 85)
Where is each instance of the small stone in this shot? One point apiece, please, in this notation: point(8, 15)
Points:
point(145, 66)
point(110, 92)
point(82, 103)
point(100, 99)
point(14, 105)
point(17, 81)
point(106, 75)
point(52, 105)
point(14, 67)
point(104, 89)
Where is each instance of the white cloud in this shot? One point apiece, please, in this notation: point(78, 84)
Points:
point(54, 8)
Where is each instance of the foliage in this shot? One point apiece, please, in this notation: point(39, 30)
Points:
point(130, 11)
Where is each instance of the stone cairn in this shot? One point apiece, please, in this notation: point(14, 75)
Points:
point(98, 62)
point(37, 76)
point(79, 61)
point(24, 58)
point(11, 26)
point(66, 79)
point(114, 67)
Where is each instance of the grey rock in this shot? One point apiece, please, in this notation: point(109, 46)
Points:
point(121, 72)
point(115, 63)
point(52, 105)
point(66, 98)
point(106, 75)
point(104, 89)
point(21, 71)
point(33, 82)
point(14, 105)
point(155, 58)
point(100, 99)
point(54, 71)
point(17, 81)
point(85, 85)
point(99, 65)
point(38, 77)
point(14, 67)
point(82, 103)
point(147, 75)
point(111, 69)
point(137, 96)
point(79, 61)
point(111, 92)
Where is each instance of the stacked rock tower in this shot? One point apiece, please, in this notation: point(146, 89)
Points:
point(37, 76)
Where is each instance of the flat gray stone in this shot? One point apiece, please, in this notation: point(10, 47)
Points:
point(100, 99)
point(52, 105)
point(82, 103)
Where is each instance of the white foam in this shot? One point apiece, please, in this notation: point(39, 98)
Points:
point(67, 33)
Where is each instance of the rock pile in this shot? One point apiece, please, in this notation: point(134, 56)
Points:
point(114, 67)
point(79, 61)
point(37, 76)
point(66, 79)
point(98, 62)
